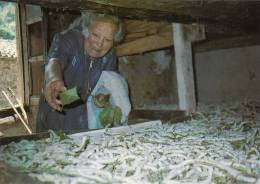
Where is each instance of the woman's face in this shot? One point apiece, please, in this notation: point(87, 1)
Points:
point(100, 39)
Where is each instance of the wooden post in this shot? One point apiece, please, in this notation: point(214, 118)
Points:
point(20, 59)
point(26, 69)
point(184, 69)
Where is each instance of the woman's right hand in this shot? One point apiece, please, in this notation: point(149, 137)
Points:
point(51, 93)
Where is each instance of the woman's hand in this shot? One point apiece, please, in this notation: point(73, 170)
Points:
point(51, 93)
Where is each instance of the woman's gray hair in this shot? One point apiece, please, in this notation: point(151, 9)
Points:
point(87, 18)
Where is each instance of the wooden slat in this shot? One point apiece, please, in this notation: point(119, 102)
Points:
point(34, 136)
point(35, 42)
point(26, 73)
point(155, 36)
point(20, 57)
point(226, 43)
point(37, 77)
point(135, 26)
point(105, 7)
point(138, 29)
point(133, 36)
point(33, 20)
point(145, 44)
point(165, 115)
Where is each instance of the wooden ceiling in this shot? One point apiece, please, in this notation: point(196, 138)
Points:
point(236, 13)
point(238, 20)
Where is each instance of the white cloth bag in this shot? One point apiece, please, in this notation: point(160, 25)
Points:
point(114, 84)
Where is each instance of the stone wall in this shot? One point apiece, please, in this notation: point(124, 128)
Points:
point(228, 75)
point(8, 77)
point(152, 79)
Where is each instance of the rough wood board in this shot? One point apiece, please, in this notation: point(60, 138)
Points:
point(166, 115)
point(121, 129)
point(20, 74)
point(226, 43)
point(236, 12)
point(26, 72)
point(145, 44)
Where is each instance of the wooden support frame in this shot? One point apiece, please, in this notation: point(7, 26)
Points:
point(26, 74)
point(184, 69)
point(20, 58)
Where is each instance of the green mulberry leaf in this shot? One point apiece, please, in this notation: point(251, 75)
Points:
point(69, 96)
point(110, 115)
point(117, 115)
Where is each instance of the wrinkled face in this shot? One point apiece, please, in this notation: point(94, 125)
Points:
point(100, 39)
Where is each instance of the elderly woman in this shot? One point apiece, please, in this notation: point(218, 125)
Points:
point(77, 57)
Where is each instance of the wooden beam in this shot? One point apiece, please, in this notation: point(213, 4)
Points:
point(184, 69)
point(226, 43)
point(124, 12)
point(138, 40)
point(217, 31)
point(235, 12)
point(136, 26)
point(165, 115)
point(145, 44)
point(20, 57)
point(139, 29)
point(25, 62)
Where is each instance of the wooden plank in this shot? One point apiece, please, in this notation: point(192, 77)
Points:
point(133, 36)
point(82, 132)
point(37, 77)
point(165, 115)
point(34, 35)
point(26, 73)
point(33, 20)
point(125, 12)
point(217, 31)
point(98, 133)
point(34, 136)
point(232, 13)
point(20, 57)
point(138, 29)
point(136, 26)
point(184, 69)
point(226, 43)
point(145, 44)
point(156, 36)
